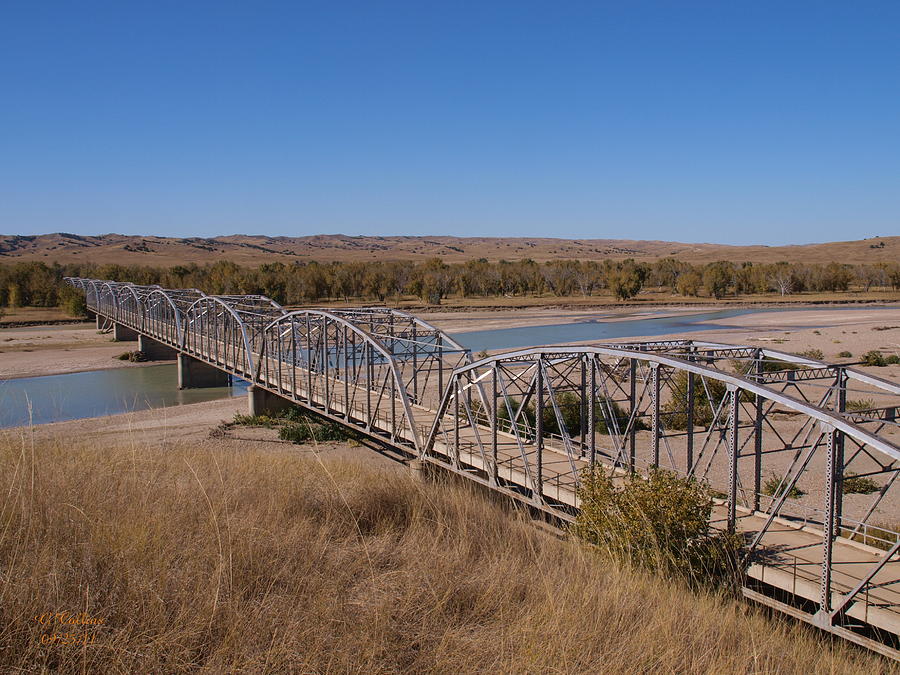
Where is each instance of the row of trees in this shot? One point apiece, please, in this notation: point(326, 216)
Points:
point(38, 284)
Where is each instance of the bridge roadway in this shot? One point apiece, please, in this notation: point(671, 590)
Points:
point(417, 391)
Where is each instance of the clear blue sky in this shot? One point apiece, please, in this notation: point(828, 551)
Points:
point(734, 122)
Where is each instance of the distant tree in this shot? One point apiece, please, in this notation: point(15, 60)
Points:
point(689, 282)
point(716, 278)
point(625, 279)
point(781, 279)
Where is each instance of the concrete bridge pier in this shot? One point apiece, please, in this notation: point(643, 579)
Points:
point(124, 333)
point(263, 402)
point(194, 374)
point(156, 351)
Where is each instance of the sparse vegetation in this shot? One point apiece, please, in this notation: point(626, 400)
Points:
point(857, 404)
point(708, 395)
point(861, 485)
point(873, 358)
point(815, 354)
point(606, 411)
point(773, 488)
point(134, 357)
point(659, 522)
point(891, 360)
point(309, 430)
point(259, 561)
point(845, 355)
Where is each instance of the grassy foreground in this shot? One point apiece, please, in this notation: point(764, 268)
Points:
point(254, 561)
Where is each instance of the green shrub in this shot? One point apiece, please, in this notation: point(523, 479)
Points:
point(134, 357)
point(569, 405)
point(772, 485)
point(659, 522)
point(845, 355)
point(267, 421)
point(873, 358)
point(308, 430)
point(774, 365)
point(892, 360)
point(815, 354)
point(860, 485)
point(675, 409)
point(271, 420)
point(858, 404)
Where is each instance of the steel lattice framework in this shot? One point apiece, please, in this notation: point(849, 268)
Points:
point(758, 425)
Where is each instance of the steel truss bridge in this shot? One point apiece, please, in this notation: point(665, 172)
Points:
point(802, 455)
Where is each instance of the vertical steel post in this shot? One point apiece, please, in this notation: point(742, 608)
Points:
point(691, 402)
point(839, 452)
point(325, 356)
point(632, 436)
point(539, 430)
point(367, 355)
point(733, 446)
point(592, 422)
point(583, 413)
point(415, 366)
point(454, 455)
point(309, 365)
point(440, 351)
point(831, 471)
point(494, 423)
point(758, 434)
point(345, 345)
point(654, 408)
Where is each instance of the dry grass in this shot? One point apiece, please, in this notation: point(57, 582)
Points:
point(258, 562)
point(34, 314)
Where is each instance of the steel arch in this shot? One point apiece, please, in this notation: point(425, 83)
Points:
point(343, 365)
point(224, 343)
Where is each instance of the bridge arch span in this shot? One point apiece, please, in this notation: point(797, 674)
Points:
point(331, 363)
point(213, 328)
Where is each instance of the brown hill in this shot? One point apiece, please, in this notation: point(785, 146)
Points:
point(256, 249)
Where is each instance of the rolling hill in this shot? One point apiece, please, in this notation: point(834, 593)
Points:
point(256, 249)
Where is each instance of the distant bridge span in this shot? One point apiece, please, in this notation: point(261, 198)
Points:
point(803, 454)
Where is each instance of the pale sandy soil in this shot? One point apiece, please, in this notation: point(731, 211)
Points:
point(52, 350)
point(463, 322)
point(188, 426)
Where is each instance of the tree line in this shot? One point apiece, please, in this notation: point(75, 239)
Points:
point(39, 284)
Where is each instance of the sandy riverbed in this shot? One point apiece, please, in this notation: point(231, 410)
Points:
point(832, 331)
point(53, 350)
point(195, 426)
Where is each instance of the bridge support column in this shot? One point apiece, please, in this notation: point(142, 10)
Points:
point(124, 333)
point(194, 374)
point(263, 402)
point(419, 470)
point(155, 350)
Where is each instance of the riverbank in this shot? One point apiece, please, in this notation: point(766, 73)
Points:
point(56, 350)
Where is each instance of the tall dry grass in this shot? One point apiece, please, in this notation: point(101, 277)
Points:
point(257, 562)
